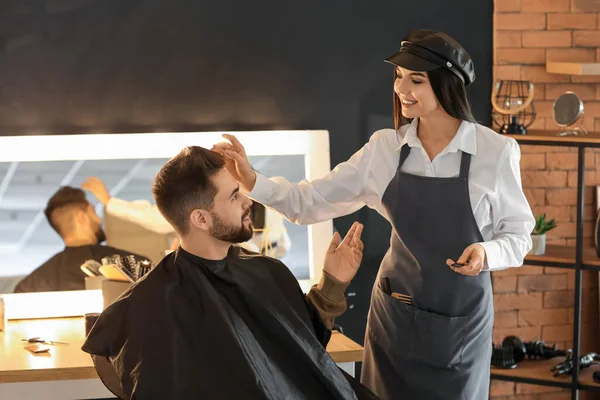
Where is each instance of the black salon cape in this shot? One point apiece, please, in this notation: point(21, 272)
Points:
point(239, 329)
point(62, 271)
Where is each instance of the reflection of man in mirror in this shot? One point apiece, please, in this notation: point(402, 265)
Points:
point(145, 214)
point(213, 320)
point(74, 219)
point(270, 235)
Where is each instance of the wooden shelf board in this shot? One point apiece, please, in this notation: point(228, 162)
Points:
point(572, 68)
point(534, 370)
point(539, 370)
point(566, 255)
point(550, 138)
point(586, 378)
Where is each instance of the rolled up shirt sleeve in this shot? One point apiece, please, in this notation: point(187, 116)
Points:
point(342, 191)
point(513, 220)
point(327, 297)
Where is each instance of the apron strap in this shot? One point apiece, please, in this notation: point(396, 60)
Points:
point(465, 160)
point(404, 152)
point(465, 164)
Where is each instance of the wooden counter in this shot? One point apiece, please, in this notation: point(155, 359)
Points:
point(343, 349)
point(69, 362)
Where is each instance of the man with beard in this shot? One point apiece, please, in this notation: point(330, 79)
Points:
point(76, 221)
point(215, 321)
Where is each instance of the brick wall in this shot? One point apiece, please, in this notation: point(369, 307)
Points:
point(537, 302)
point(530, 32)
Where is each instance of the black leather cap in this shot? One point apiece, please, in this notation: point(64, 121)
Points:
point(426, 50)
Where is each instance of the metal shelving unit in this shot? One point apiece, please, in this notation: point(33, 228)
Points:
point(577, 258)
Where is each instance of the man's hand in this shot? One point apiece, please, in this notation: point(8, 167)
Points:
point(98, 189)
point(236, 161)
point(343, 259)
point(473, 257)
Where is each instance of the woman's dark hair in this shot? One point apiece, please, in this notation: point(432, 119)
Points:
point(450, 92)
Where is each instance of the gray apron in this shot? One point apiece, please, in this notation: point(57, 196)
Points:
point(438, 343)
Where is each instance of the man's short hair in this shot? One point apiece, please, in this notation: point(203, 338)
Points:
point(185, 184)
point(60, 208)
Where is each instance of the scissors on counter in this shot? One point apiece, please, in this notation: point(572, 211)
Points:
point(40, 340)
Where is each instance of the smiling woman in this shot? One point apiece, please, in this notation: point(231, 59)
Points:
point(127, 163)
point(419, 93)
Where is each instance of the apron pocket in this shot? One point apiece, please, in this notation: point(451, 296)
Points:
point(390, 322)
point(438, 340)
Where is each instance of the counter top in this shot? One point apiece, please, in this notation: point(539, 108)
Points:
point(68, 361)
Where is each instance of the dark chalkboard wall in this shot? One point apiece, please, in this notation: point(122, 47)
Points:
point(69, 66)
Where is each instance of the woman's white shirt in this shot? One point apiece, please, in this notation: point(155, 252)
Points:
point(501, 210)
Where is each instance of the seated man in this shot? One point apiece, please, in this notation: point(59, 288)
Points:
point(215, 321)
point(74, 219)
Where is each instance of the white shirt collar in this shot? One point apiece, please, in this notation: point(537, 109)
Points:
point(464, 140)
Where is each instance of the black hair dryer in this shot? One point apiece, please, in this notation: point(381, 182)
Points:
point(513, 350)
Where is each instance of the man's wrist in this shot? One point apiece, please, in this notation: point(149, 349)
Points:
point(332, 288)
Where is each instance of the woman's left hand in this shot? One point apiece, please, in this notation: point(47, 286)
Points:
point(473, 257)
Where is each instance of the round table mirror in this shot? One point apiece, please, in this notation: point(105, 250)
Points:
point(566, 111)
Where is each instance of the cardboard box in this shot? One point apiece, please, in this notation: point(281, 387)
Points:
point(111, 290)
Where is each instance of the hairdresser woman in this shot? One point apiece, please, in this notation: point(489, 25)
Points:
point(451, 189)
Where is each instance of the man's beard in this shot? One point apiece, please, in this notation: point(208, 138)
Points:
point(231, 233)
point(100, 235)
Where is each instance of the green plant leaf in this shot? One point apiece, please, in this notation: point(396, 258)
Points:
point(542, 226)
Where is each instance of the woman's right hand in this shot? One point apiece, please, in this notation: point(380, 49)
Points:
point(236, 161)
point(98, 189)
